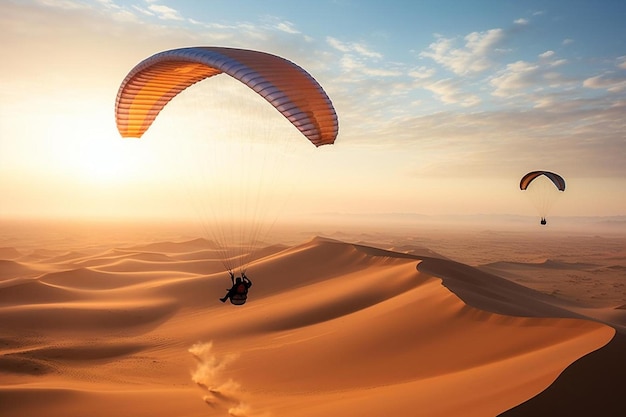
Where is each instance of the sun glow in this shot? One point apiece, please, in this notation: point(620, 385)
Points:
point(108, 161)
point(93, 152)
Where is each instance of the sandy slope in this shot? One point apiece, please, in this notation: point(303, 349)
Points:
point(331, 328)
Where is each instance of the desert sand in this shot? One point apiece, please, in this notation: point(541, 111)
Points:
point(100, 320)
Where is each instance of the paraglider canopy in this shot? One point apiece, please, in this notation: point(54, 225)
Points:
point(152, 83)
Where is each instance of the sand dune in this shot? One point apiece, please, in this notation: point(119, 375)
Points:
point(176, 247)
point(93, 279)
point(9, 253)
point(331, 328)
point(10, 269)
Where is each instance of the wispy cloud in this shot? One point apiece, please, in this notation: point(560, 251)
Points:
point(64, 4)
point(522, 77)
point(609, 82)
point(352, 47)
point(451, 91)
point(472, 57)
point(287, 27)
point(165, 12)
point(357, 68)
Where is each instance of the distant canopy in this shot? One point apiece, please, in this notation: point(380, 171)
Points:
point(558, 181)
point(290, 89)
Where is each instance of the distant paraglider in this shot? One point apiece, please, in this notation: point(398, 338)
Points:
point(242, 196)
point(542, 187)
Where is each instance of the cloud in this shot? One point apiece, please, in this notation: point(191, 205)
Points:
point(143, 11)
point(472, 57)
point(515, 78)
point(348, 47)
point(422, 73)
point(287, 27)
point(64, 4)
point(523, 77)
point(450, 91)
point(362, 50)
point(164, 12)
point(338, 45)
point(357, 69)
point(608, 82)
point(359, 64)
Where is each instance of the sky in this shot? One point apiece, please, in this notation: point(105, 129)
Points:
point(442, 105)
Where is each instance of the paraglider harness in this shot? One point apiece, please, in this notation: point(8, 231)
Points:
point(239, 293)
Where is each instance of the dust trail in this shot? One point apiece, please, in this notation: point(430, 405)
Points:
point(210, 367)
point(222, 392)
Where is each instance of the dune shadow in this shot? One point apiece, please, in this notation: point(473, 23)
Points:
point(15, 364)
